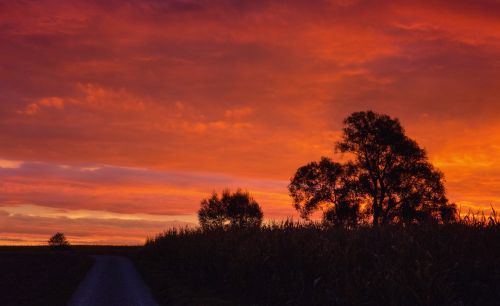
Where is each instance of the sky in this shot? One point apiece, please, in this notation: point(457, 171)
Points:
point(118, 117)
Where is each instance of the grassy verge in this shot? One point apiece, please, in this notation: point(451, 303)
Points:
point(39, 276)
point(456, 264)
point(170, 289)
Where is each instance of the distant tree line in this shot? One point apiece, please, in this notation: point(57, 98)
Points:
point(387, 179)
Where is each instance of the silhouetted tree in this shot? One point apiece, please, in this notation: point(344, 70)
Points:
point(329, 186)
point(393, 171)
point(236, 209)
point(58, 241)
point(212, 213)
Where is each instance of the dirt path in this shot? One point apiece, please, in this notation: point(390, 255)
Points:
point(112, 281)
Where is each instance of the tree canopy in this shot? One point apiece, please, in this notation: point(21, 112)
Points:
point(328, 185)
point(236, 209)
point(388, 174)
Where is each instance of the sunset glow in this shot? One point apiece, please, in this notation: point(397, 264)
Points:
point(118, 117)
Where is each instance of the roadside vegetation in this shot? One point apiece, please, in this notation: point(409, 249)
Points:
point(314, 264)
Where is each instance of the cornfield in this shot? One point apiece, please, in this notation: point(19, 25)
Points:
point(311, 264)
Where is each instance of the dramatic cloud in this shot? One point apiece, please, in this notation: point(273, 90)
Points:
point(146, 106)
point(126, 190)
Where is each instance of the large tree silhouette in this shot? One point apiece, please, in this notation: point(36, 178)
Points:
point(389, 174)
point(236, 209)
point(393, 171)
point(329, 186)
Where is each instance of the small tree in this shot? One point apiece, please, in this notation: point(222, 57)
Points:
point(58, 241)
point(237, 209)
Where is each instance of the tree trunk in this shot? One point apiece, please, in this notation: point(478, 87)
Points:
point(376, 213)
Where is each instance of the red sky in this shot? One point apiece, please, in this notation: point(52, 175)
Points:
point(118, 117)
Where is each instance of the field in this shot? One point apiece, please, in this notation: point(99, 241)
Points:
point(290, 264)
point(39, 276)
point(35, 276)
point(284, 264)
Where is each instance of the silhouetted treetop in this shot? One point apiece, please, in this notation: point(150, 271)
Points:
point(236, 209)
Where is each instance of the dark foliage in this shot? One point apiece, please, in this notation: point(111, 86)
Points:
point(327, 185)
point(290, 264)
point(236, 209)
point(394, 172)
point(59, 241)
point(390, 177)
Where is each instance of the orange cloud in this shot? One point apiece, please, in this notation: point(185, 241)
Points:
point(52, 102)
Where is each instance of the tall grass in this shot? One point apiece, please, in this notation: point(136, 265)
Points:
point(297, 264)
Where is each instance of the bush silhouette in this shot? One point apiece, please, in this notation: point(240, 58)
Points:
point(237, 210)
point(59, 241)
point(389, 175)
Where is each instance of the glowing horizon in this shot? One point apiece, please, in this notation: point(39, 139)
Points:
point(116, 118)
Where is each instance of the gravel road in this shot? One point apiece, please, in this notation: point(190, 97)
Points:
point(112, 281)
